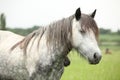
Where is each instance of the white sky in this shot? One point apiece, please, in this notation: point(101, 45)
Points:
point(27, 13)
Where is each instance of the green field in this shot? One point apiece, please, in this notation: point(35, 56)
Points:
point(110, 37)
point(107, 69)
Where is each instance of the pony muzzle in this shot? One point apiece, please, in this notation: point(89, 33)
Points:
point(95, 59)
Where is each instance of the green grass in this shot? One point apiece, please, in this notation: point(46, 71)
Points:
point(107, 69)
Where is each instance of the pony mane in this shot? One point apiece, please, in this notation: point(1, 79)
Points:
point(56, 34)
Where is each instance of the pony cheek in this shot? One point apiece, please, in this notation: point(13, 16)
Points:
point(76, 41)
point(83, 50)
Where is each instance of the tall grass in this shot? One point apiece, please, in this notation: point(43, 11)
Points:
point(107, 69)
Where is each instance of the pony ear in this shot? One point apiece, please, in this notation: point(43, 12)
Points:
point(78, 14)
point(93, 14)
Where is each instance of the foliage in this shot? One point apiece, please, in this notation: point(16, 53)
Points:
point(105, 31)
point(118, 32)
point(2, 22)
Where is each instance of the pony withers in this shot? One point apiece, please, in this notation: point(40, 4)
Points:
point(41, 54)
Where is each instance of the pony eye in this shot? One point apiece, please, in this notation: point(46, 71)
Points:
point(81, 31)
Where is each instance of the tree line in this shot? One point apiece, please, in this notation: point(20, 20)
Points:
point(108, 31)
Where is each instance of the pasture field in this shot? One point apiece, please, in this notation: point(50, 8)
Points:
point(110, 37)
point(107, 69)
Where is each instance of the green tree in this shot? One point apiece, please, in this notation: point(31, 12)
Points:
point(2, 22)
point(105, 31)
point(118, 31)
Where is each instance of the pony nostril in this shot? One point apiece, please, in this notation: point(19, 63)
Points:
point(95, 56)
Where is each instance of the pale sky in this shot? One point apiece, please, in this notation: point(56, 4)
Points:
point(27, 13)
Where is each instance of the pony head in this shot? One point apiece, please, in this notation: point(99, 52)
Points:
point(85, 36)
